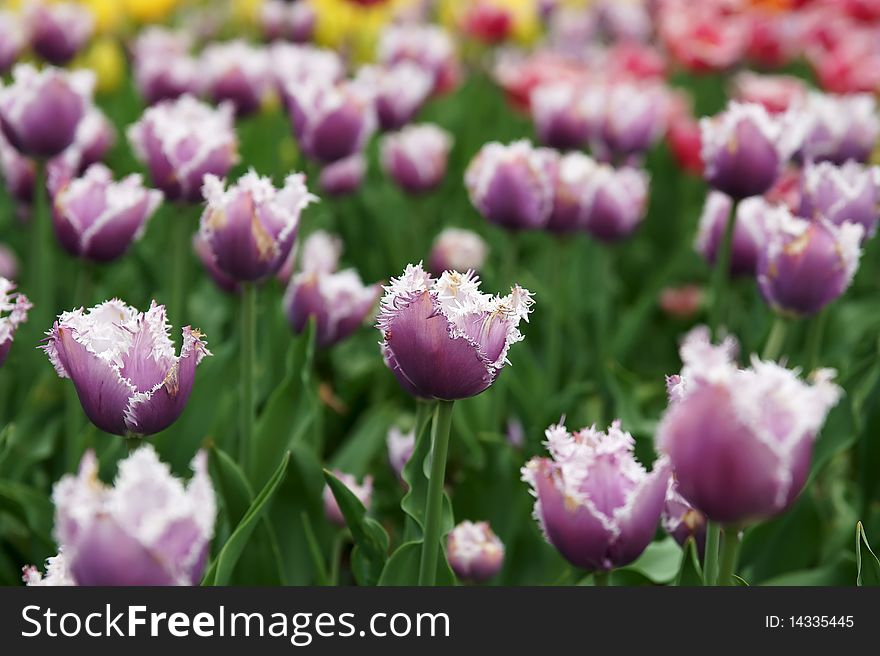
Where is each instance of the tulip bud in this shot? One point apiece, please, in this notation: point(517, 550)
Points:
point(560, 115)
point(474, 552)
point(455, 249)
point(740, 440)
point(237, 72)
point(338, 302)
point(748, 231)
point(595, 503)
point(572, 177)
point(400, 449)
point(41, 110)
point(11, 40)
point(512, 185)
point(744, 149)
point(416, 157)
point(123, 366)
point(681, 302)
point(59, 30)
point(682, 521)
point(839, 128)
point(250, 227)
point(98, 219)
point(850, 192)
point(400, 91)
point(429, 46)
point(13, 312)
point(8, 263)
point(331, 121)
point(617, 200)
point(805, 265)
point(344, 176)
point(445, 339)
point(364, 493)
point(181, 141)
point(147, 529)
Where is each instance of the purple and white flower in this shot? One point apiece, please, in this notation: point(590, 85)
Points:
point(344, 176)
point(850, 192)
point(474, 552)
point(456, 249)
point(59, 30)
point(416, 156)
point(839, 128)
point(363, 492)
point(400, 449)
point(682, 521)
point(399, 91)
point(238, 72)
point(616, 201)
point(13, 312)
point(748, 231)
point(560, 115)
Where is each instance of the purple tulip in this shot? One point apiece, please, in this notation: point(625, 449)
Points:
point(839, 128)
point(474, 552)
point(294, 64)
point(617, 200)
point(94, 137)
point(445, 339)
point(181, 141)
point(12, 40)
point(364, 493)
point(740, 440)
point(13, 312)
point(744, 149)
point(238, 72)
point(98, 219)
point(572, 177)
point(58, 30)
point(400, 91)
point(512, 185)
point(250, 227)
point(595, 503)
point(337, 301)
point(290, 21)
point(123, 365)
point(416, 157)
point(8, 263)
point(148, 529)
point(455, 249)
point(629, 118)
point(805, 265)
point(344, 176)
point(748, 231)
point(400, 449)
point(682, 521)
point(560, 115)
point(331, 121)
point(206, 257)
point(429, 46)
point(850, 192)
point(41, 110)
point(163, 67)
point(19, 172)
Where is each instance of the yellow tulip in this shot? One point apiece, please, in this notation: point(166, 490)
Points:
point(148, 11)
point(106, 58)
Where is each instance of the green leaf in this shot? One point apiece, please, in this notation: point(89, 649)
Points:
point(402, 567)
point(30, 506)
point(370, 539)
point(314, 550)
point(364, 441)
point(221, 569)
point(659, 563)
point(840, 572)
point(690, 572)
point(232, 484)
point(867, 564)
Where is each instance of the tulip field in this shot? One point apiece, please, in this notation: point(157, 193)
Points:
point(440, 292)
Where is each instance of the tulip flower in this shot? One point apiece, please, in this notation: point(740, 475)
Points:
point(748, 231)
point(41, 110)
point(455, 249)
point(294, 64)
point(701, 37)
point(445, 339)
point(337, 301)
point(12, 40)
point(628, 119)
point(98, 219)
point(595, 503)
point(363, 492)
point(474, 552)
point(512, 185)
point(740, 439)
point(58, 30)
point(203, 251)
point(744, 149)
point(400, 449)
point(163, 67)
point(850, 192)
point(839, 128)
point(400, 90)
point(344, 176)
point(617, 201)
point(181, 141)
point(560, 115)
point(94, 137)
point(13, 312)
point(682, 521)
point(777, 93)
point(250, 227)
point(572, 177)
point(237, 72)
point(19, 172)
point(806, 264)
point(123, 366)
point(331, 121)
point(429, 46)
point(416, 157)
point(148, 529)
point(289, 21)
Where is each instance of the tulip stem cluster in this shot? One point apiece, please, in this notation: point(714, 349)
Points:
point(721, 273)
point(434, 506)
point(248, 352)
point(731, 539)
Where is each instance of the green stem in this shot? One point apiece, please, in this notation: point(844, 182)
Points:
point(601, 279)
point(181, 234)
point(710, 565)
point(132, 442)
point(775, 340)
point(248, 348)
point(730, 543)
point(336, 556)
point(434, 506)
point(44, 250)
point(721, 273)
point(602, 579)
point(815, 335)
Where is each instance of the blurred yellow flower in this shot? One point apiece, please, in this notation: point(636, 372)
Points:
point(108, 14)
point(348, 25)
point(149, 11)
point(107, 59)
